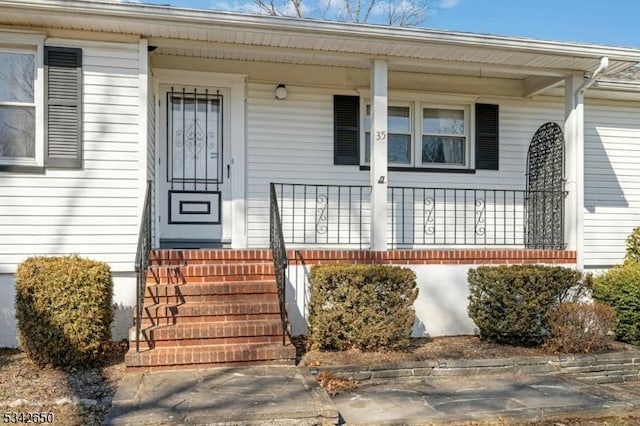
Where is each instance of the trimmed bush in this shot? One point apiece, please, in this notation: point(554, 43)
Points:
point(633, 246)
point(576, 327)
point(509, 304)
point(361, 306)
point(620, 288)
point(64, 309)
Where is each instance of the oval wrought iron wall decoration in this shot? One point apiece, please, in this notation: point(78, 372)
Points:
point(545, 189)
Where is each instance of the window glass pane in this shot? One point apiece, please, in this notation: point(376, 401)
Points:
point(399, 149)
point(398, 120)
point(443, 150)
point(443, 121)
point(16, 77)
point(17, 132)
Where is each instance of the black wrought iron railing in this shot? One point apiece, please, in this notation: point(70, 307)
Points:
point(142, 260)
point(482, 217)
point(324, 214)
point(279, 253)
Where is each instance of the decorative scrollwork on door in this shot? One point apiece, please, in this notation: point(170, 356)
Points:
point(194, 142)
point(544, 207)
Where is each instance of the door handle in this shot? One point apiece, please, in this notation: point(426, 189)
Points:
point(228, 170)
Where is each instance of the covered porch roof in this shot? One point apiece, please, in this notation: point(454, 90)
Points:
point(224, 35)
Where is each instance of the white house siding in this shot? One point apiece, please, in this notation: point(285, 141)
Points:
point(291, 141)
point(612, 180)
point(93, 211)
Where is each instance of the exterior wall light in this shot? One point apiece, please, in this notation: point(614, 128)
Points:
point(281, 92)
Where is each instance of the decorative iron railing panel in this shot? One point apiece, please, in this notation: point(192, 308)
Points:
point(545, 173)
point(325, 214)
point(279, 253)
point(142, 259)
point(452, 216)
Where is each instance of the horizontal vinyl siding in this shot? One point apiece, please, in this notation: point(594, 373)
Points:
point(612, 180)
point(291, 141)
point(92, 212)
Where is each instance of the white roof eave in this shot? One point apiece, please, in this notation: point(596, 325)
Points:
point(147, 17)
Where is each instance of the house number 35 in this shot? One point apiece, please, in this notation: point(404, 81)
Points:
point(381, 135)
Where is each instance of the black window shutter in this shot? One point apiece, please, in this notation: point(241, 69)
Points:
point(487, 137)
point(63, 107)
point(346, 130)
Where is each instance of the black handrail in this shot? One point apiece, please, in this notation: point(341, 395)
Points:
point(280, 262)
point(142, 260)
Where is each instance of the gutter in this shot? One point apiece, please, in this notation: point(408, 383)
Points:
point(604, 64)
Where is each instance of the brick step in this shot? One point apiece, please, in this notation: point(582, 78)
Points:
point(211, 330)
point(195, 289)
point(205, 356)
point(164, 314)
point(225, 276)
point(212, 293)
point(176, 257)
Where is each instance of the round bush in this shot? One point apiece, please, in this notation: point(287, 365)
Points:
point(362, 306)
point(577, 327)
point(620, 288)
point(509, 304)
point(64, 309)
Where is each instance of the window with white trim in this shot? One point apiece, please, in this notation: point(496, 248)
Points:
point(436, 137)
point(17, 106)
point(444, 137)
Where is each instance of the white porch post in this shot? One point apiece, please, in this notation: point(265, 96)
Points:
point(574, 166)
point(378, 171)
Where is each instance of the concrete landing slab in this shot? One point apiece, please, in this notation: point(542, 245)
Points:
point(446, 399)
point(243, 395)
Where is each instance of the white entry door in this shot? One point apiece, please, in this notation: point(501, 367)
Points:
point(193, 168)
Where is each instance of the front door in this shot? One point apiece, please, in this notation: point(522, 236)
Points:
point(192, 173)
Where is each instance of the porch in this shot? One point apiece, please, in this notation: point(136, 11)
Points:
point(340, 216)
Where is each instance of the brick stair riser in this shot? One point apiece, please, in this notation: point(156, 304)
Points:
point(213, 309)
point(208, 270)
point(212, 342)
point(222, 288)
point(209, 255)
point(210, 279)
point(199, 319)
point(215, 330)
point(214, 298)
point(209, 355)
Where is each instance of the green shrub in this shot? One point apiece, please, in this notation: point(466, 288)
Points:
point(64, 309)
point(633, 246)
point(620, 288)
point(576, 327)
point(509, 304)
point(362, 306)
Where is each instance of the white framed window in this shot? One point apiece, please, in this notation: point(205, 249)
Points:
point(423, 135)
point(20, 139)
point(444, 137)
point(400, 136)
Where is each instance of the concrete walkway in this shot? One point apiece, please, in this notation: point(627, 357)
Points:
point(268, 395)
point(290, 395)
point(477, 398)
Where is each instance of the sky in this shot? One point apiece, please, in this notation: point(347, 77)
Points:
point(609, 22)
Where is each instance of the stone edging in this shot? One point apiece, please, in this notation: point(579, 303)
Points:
point(571, 363)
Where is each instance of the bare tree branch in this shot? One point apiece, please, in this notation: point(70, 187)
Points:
point(407, 13)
